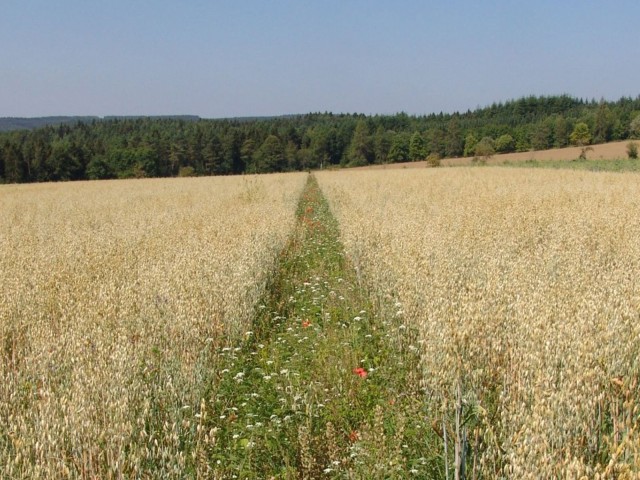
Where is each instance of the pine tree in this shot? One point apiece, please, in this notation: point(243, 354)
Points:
point(417, 147)
point(360, 151)
point(270, 157)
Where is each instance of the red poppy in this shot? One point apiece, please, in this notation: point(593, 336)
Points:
point(306, 323)
point(361, 372)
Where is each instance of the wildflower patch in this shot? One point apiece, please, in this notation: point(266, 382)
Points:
point(320, 387)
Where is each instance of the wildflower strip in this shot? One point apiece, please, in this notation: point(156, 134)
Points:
point(319, 388)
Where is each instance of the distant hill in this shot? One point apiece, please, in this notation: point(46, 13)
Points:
point(8, 124)
point(172, 145)
point(185, 118)
point(259, 118)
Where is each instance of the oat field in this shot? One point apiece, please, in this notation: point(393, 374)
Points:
point(114, 296)
point(525, 288)
point(458, 323)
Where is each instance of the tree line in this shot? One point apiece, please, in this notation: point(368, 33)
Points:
point(165, 147)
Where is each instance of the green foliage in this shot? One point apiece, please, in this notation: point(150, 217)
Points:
point(540, 136)
point(634, 127)
point(632, 150)
point(247, 152)
point(12, 164)
point(160, 147)
point(400, 149)
point(560, 131)
point(292, 159)
point(99, 168)
point(213, 156)
point(604, 124)
point(232, 158)
point(187, 172)
point(437, 139)
point(521, 135)
point(470, 145)
point(360, 149)
point(433, 160)
point(382, 144)
point(505, 144)
point(417, 147)
point(270, 156)
point(66, 161)
point(123, 163)
point(580, 135)
point(453, 141)
point(319, 147)
point(485, 148)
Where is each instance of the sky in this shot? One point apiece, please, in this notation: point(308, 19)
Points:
point(228, 58)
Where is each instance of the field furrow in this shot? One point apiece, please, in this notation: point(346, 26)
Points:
point(319, 388)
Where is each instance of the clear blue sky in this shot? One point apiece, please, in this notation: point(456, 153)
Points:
point(217, 58)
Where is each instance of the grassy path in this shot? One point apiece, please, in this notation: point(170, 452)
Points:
point(321, 388)
point(593, 165)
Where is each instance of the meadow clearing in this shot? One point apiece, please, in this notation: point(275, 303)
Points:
point(523, 285)
point(114, 297)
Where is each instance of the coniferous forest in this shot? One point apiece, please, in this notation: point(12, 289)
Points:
point(174, 146)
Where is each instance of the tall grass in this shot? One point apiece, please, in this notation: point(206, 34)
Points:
point(524, 286)
point(114, 297)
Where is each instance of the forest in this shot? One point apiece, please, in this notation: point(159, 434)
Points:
point(172, 146)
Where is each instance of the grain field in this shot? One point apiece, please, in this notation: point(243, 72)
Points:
point(114, 297)
point(525, 288)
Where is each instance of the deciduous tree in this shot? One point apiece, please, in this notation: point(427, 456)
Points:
point(470, 143)
point(581, 135)
point(399, 151)
point(485, 148)
point(505, 144)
